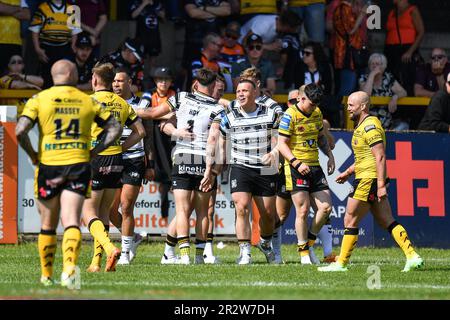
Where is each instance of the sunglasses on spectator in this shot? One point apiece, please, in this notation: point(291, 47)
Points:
point(231, 36)
point(307, 53)
point(437, 57)
point(16, 62)
point(257, 47)
point(292, 101)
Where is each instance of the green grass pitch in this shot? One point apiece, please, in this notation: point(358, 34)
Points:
point(147, 279)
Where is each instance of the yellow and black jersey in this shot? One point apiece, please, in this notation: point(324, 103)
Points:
point(120, 110)
point(10, 26)
point(52, 24)
point(369, 133)
point(303, 131)
point(258, 6)
point(65, 116)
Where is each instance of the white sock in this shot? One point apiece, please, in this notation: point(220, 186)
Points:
point(325, 235)
point(126, 243)
point(169, 251)
point(245, 248)
point(208, 249)
point(266, 243)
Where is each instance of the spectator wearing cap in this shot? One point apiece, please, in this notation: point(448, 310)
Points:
point(53, 38)
point(163, 77)
point(430, 78)
point(437, 116)
point(147, 13)
point(11, 13)
point(254, 49)
point(210, 58)
point(85, 61)
point(202, 18)
point(232, 50)
point(268, 27)
point(129, 55)
point(93, 20)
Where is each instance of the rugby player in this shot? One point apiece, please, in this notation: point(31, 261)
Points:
point(369, 187)
point(301, 134)
point(284, 201)
point(136, 167)
point(192, 175)
point(107, 167)
point(249, 127)
point(65, 116)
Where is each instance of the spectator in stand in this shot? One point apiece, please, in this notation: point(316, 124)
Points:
point(147, 13)
point(15, 78)
point(53, 39)
point(202, 18)
point(312, 13)
point(232, 50)
point(291, 56)
point(316, 68)
point(251, 8)
point(163, 78)
point(437, 116)
point(430, 78)
point(254, 48)
point(93, 20)
point(210, 59)
point(347, 38)
point(404, 33)
point(268, 27)
point(11, 13)
point(129, 55)
point(378, 82)
point(84, 60)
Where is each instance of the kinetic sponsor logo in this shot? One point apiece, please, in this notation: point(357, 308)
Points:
point(2, 140)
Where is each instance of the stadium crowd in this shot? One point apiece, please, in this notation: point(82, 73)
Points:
point(180, 131)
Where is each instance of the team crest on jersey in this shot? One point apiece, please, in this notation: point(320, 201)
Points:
point(369, 127)
point(302, 183)
point(301, 128)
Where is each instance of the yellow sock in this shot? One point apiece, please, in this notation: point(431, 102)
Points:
point(401, 237)
point(303, 249)
point(183, 244)
point(311, 239)
point(71, 248)
point(98, 231)
point(98, 254)
point(47, 248)
point(348, 244)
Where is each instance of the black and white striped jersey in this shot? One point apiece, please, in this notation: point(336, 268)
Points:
point(268, 102)
point(198, 111)
point(137, 150)
point(249, 134)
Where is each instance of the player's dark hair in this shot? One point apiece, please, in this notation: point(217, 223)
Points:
point(314, 93)
point(205, 77)
point(123, 69)
point(222, 79)
point(248, 81)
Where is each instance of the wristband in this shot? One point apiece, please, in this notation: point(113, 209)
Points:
point(292, 160)
point(298, 165)
point(150, 164)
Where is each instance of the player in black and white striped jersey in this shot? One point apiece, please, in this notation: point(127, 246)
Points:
point(192, 174)
point(253, 74)
point(136, 168)
point(247, 131)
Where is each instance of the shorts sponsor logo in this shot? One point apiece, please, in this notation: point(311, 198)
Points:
point(134, 174)
point(324, 181)
point(234, 183)
point(302, 183)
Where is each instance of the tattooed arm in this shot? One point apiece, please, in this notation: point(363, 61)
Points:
point(112, 130)
point(24, 125)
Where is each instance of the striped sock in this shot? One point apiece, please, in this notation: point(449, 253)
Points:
point(183, 244)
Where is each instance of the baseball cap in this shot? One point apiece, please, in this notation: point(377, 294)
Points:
point(253, 38)
point(162, 72)
point(83, 40)
point(136, 47)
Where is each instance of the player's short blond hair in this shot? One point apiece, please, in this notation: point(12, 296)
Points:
point(250, 73)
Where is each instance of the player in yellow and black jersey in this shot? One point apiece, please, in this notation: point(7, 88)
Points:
point(64, 116)
point(370, 186)
point(300, 136)
point(107, 167)
point(53, 34)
